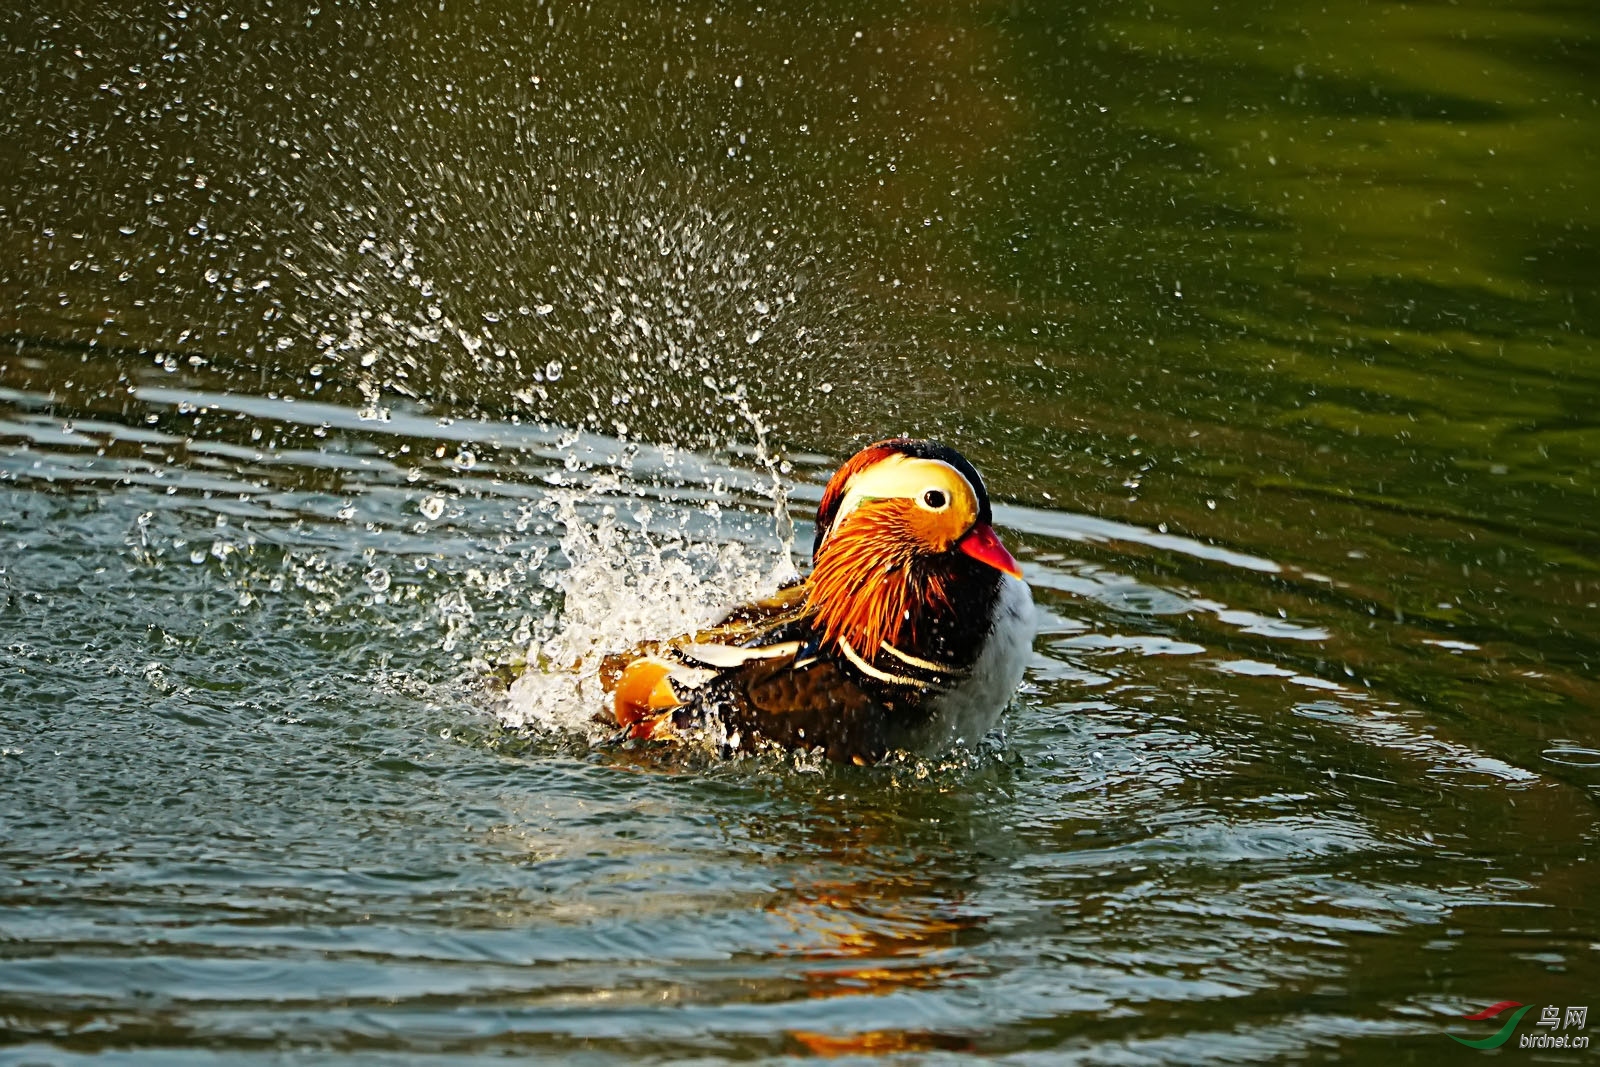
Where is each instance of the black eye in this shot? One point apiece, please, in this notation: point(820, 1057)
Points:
point(934, 499)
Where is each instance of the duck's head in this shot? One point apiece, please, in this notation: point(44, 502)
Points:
point(904, 526)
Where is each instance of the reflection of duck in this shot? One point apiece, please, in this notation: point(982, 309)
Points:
point(910, 632)
point(878, 940)
point(880, 900)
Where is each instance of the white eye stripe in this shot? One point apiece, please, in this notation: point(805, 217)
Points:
point(887, 479)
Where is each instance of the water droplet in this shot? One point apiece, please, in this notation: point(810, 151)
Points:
point(377, 579)
point(825, 387)
point(752, 337)
point(552, 371)
point(431, 507)
point(466, 460)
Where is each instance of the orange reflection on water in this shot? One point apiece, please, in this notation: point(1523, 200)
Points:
point(876, 936)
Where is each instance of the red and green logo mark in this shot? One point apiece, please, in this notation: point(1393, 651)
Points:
point(1489, 1013)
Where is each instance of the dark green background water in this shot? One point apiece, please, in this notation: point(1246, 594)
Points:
point(1273, 327)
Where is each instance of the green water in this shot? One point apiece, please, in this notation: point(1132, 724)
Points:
point(331, 336)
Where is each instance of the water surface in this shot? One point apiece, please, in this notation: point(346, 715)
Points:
point(348, 355)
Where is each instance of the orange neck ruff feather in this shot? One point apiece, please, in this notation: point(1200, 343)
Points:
point(866, 586)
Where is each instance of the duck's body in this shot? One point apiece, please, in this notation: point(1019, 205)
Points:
point(910, 633)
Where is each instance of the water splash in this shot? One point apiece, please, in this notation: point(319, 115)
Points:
point(624, 585)
point(612, 305)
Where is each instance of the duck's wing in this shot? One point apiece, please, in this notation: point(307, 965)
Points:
point(768, 621)
point(783, 694)
point(801, 701)
point(761, 629)
point(783, 606)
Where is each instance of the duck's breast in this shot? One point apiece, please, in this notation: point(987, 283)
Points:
point(964, 713)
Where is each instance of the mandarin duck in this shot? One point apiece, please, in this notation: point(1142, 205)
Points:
point(910, 633)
